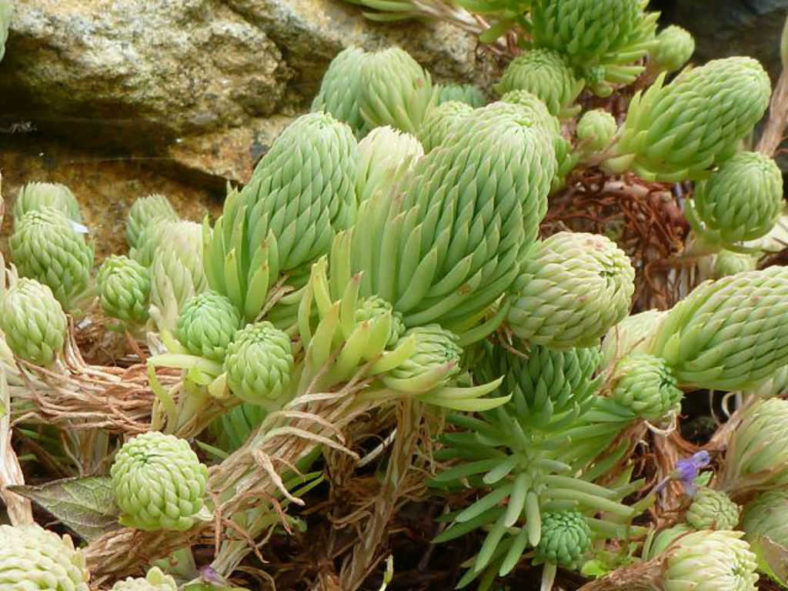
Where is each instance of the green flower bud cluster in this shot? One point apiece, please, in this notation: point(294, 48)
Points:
point(159, 483)
point(34, 558)
point(123, 287)
point(566, 537)
point(728, 334)
point(644, 385)
point(33, 322)
point(207, 324)
point(155, 580)
point(712, 509)
point(464, 93)
point(49, 247)
point(571, 289)
point(341, 89)
point(740, 201)
point(675, 46)
point(373, 308)
point(259, 364)
point(679, 131)
point(144, 213)
point(595, 129)
point(35, 196)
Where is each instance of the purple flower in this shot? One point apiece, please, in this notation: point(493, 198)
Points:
point(687, 470)
point(209, 575)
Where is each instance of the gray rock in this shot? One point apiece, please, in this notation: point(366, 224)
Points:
point(202, 84)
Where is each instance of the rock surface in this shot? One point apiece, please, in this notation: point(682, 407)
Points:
point(207, 83)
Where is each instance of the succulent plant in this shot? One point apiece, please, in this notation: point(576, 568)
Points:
point(571, 289)
point(450, 248)
point(155, 580)
point(159, 483)
point(301, 192)
point(259, 364)
point(32, 322)
point(206, 324)
point(727, 262)
point(595, 129)
point(387, 158)
point(644, 385)
point(546, 74)
point(766, 516)
point(373, 307)
point(465, 93)
point(707, 560)
point(123, 287)
point(48, 247)
point(681, 130)
point(632, 335)
point(740, 201)
point(35, 558)
point(675, 46)
point(395, 90)
point(440, 122)
point(434, 362)
point(233, 428)
point(35, 196)
point(565, 539)
point(341, 89)
point(712, 509)
point(728, 334)
point(146, 212)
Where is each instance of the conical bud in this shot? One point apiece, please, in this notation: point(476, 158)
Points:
point(546, 74)
point(341, 89)
point(123, 287)
point(35, 196)
point(48, 247)
point(644, 385)
point(34, 558)
point(595, 129)
point(571, 289)
point(207, 323)
point(674, 48)
point(740, 201)
point(395, 90)
point(565, 539)
point(464, 93)
point(632, 335)
point(259, 364)
point(155, 580)
point(159, 483)
point(32, 322)
point(144, 213)
point(387, 158)
point(710, 560)
point(679, 131)
point(712, 509)
point(728, 334)
point(440, 122)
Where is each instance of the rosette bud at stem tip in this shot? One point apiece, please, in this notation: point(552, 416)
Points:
point(123, 287)
point(341, 88)
point(155, 580)
point(207, 324)
point(159, 483)
point(644, 385)
point(35, 196)
point(712, 509)
point(565, 538)
point(145, 212)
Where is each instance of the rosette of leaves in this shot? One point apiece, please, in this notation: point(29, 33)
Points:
point(440, 122)
point(387, 157)
point(35, 196)
point(340, 90)
point(675, 46)
point(469, 94)
point(632, 335)
point(144, 213)
point(712, 509)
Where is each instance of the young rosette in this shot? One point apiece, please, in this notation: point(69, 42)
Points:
point(340, 89)
point(395, 90)
point(440, 122)
point(546, 74)
point(679, 131)
point(675, 46)
point(712, 509)
point(464, 93)
point(571, 289)
point(373, 308)
point(207, 324)
point(33, 322)
point(755, 458)
point(728, 334)
point(387, 158)
point(434, 362)
point(632, 335)
point(565, 540)
point(159, 483)
point(644, 386)
point(709, 560)
point(155, 580)
point(146, 212)
point(123, 287)
point(35, 558)
point(595, 129)
point(766, 516)
point(259, 365)
point(49, 247)
point(742, 200)
point(35, 196)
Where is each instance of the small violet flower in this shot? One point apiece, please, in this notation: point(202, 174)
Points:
point(687, 470)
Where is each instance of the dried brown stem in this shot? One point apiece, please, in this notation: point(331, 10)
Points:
point(774, 130)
